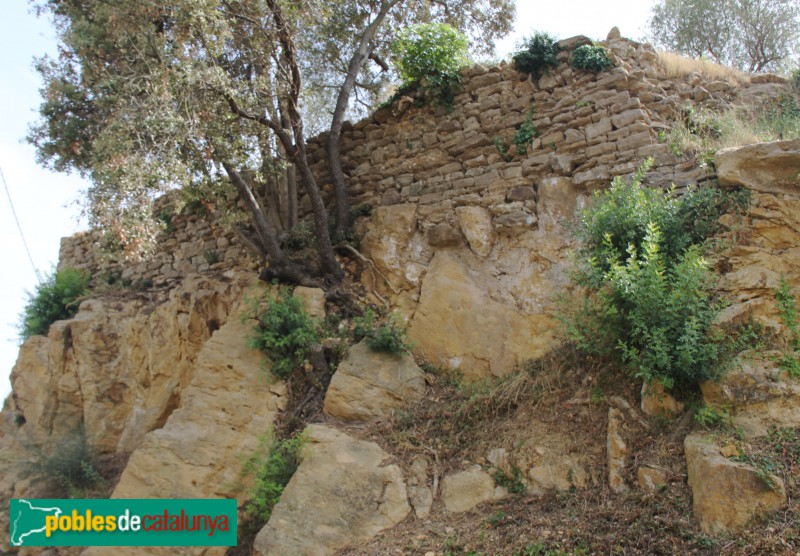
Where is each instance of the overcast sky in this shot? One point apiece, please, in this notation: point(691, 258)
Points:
point(45, 202)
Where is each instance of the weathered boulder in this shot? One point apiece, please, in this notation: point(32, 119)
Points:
point(758, 393)
point(651, 478)
point(559, 475)
point(370, 384)
point(420, 493)
point(464, 490)
point(726, 495)
point(656, 400)
point(342, 493)
point(767, 167)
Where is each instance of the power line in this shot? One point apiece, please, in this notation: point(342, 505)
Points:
point(14, 212)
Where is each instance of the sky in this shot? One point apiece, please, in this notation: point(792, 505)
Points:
point(45, 202)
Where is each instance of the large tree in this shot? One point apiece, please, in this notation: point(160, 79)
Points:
point(754, 35)
point(150, 95)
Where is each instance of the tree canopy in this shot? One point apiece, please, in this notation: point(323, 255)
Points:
point(753, 35)
point(208, 96)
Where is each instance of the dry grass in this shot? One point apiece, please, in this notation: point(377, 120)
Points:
point(677, 65)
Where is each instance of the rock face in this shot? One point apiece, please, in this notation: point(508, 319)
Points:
point(765, 167)
point(758, 393)
point(199, 452)
point(342, 493)
point(147, 352)
point(457, 325)
point(726, 495)
point(223, 411)
point(464, 490)
point(369, 384)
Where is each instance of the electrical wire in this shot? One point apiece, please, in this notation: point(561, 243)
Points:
point(16, 219)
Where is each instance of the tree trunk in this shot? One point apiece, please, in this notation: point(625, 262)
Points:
point(360, 56)
point(324, 247)
point(280, 267)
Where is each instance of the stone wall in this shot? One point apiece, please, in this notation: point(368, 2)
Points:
point(591, 128)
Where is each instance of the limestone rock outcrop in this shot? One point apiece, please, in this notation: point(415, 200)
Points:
point(765, 167)
point(119, 367)
point(726, 494)
point(370, 384)
point(343, 492)
point(758, 394)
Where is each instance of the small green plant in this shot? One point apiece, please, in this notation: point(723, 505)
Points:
point(283, 331)
point(525, 134)
point(536, 54)
point(432, 54)
point(300, 237)
point(591, 58)
point(271, 477)
point(211, 256)
point(787, 306)
point(710, 418)
point(389, 336)
point(70, 467)
point(584, 103)
point(56, 298)
point(796, 80)
point(512, 482)
point(765, 468)
point(553, 145)
point(496, 519)
point(502, 149)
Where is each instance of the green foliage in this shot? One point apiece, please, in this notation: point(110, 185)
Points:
point(796, 80)
point(709, 417)
point(753, 36)
point(525, 134)
point(432, 53)
point(778, 455)
point(56, 298)
point(70, 467)
point(536, 54)
point(650, 303)
point(513, 482)
point(787, 306)
point(502, 149)
point(211, 256)
point(389, 336)
point(283, 331)
point(591, 58)
point(272, 476)
point(701, 132)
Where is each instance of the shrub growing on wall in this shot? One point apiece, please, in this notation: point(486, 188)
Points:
point(591, 58)
point(56, 298)
point(433, 54)
point(649, 301)
point(536, 54)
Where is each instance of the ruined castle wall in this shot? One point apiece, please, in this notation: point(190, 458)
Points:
point(591, 127)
